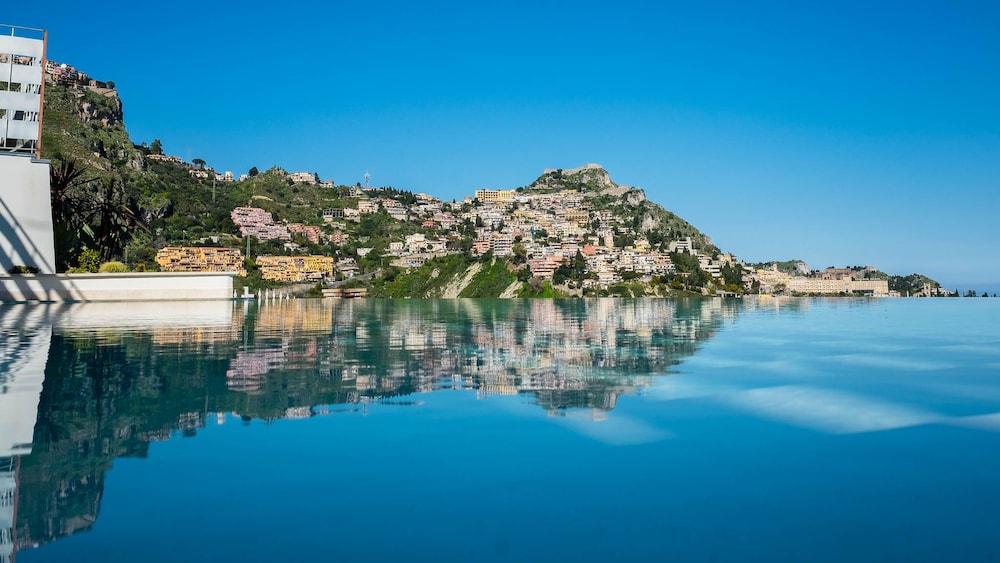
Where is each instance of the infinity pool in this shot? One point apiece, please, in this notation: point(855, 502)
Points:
point(472, 430)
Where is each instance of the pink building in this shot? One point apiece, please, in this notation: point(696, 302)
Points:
point(255, 222)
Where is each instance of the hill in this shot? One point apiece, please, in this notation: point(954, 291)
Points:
point(603, 194)
point(569, 232)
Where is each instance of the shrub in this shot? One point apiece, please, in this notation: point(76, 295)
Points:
point(114, 267)
point(89, 261)
point(23, 270)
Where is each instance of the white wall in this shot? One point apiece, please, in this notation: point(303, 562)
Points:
point(146, 286)
point(25, 215)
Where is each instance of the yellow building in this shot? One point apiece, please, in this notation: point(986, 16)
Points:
point(200, 259)
point(295, 268)
point(578, 216)
point(495, 196)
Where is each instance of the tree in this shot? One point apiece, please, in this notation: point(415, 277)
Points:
point(253, 171)
point(198, 163)
point(520, 253)
point(114, 216)
point(732, 275)
point(69, 198)
point(579, 266)
point(156, 147)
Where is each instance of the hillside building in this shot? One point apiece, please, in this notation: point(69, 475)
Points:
point(302, 178)
point(256, 222)
point(200, 259)
point(295, 268)
point(875, 288)
point(495, 196)
point(26, 238)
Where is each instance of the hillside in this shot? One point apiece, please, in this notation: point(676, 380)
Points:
point(570, 232)
point(642, 215)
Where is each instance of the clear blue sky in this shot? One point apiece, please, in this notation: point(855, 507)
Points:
point(853, 133)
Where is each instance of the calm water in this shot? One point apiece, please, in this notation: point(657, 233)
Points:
point(460, 430)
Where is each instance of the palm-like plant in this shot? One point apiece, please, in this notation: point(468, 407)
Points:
point(114, 215)
point(68, 182)
point(91, 212)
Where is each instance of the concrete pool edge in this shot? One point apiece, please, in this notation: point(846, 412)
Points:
point(134, 286)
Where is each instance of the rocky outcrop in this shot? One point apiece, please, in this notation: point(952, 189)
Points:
point(461, 281)
point(591, 177)
point(106, 114)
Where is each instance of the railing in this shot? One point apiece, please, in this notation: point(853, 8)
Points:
point(30, 32)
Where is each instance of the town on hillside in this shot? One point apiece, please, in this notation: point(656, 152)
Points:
point(572, 239)
point(571, 232)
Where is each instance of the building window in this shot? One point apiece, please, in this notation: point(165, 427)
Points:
point(21, 115)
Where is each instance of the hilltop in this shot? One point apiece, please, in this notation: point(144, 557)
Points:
point(568, 232)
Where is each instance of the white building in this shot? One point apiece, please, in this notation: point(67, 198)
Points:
point(682, 245)
point(26, 237)
point(302, 178)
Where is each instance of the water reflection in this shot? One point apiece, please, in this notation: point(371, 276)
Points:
point(120, 376)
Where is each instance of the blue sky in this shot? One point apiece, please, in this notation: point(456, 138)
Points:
point(839, 134)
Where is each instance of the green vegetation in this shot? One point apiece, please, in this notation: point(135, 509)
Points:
point(689, 276)
point(907, 285)
point(113, 267)
point(575, 270)
point(428, 280)
point(537, 289)
point(791, 267)
point(490, 281)
point(626, 290)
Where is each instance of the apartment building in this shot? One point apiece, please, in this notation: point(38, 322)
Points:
point(295, 268)
point(682, 245)
point(330, 214)
point(544, 267)
point(502, 245)
point(877, 288)
point(495, 196)
point(302, 178)
point(200, 259)
point(312, 233)
point(254, 221)
point(367, 206)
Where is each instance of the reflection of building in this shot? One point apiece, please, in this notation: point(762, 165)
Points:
point(23, 354)
point(8, 507)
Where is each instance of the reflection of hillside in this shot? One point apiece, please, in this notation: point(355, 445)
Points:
point(109, 392)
